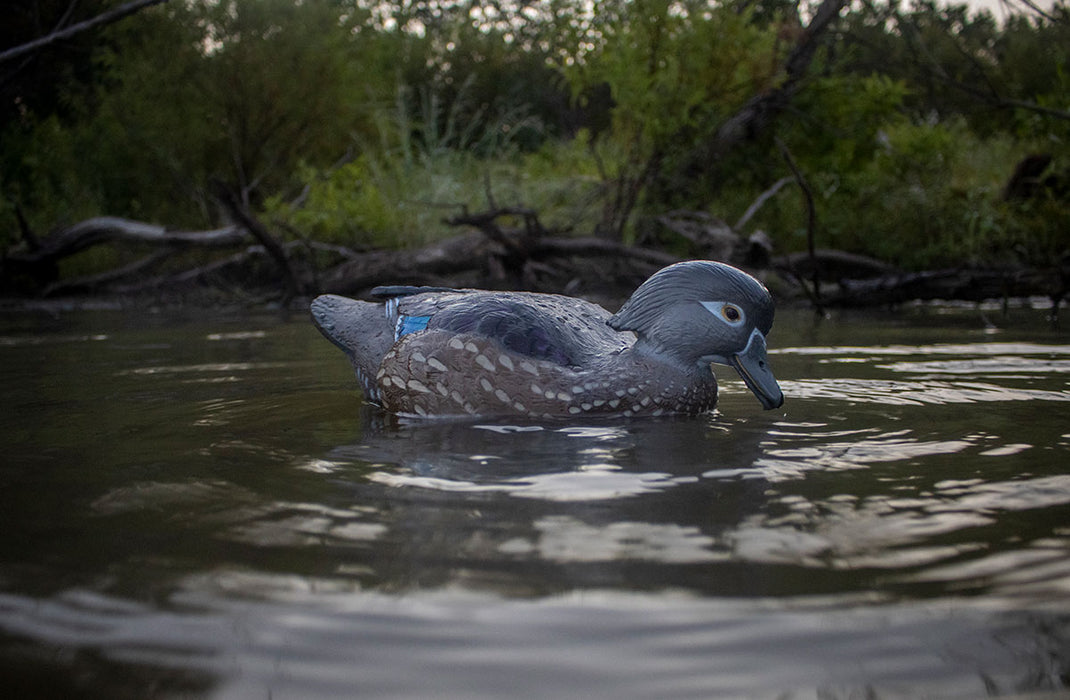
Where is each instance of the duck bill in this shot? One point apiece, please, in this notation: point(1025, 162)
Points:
point(753, 366)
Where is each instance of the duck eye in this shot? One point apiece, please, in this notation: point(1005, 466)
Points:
point(728, 313)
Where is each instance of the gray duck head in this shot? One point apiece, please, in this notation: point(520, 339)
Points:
point(697, 312)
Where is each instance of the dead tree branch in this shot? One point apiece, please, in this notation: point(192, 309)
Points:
point(103, 229)
point(760, 201)
point(811, 219)
point(753, 116)
point(108, 17)
point(246, 220)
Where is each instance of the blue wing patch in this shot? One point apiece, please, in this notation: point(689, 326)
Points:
point(409, 324)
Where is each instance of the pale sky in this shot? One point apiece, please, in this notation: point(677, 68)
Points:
point(999, 7)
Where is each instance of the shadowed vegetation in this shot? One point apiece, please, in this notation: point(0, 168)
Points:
point(365, 125)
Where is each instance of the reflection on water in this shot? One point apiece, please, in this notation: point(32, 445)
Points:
point(205, 508)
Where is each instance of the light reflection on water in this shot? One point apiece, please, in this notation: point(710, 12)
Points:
point(210, 499)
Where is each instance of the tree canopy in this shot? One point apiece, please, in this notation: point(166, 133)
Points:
point(355, 122)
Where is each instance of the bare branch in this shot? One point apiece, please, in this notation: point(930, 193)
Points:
point(759, 202)
point(1037, 9)
point(244, 218)
point(101, 229)
point(811, 218)
point(108, 17)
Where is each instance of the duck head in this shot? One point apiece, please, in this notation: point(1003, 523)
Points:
point(697, 312)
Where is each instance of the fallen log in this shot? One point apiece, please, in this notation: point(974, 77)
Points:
point(490, 257)
point(89, 284)
point(422, 266)
point(35, 268)
point(959, 284)
point(833, 265)
point(495, 255)
point(102, 229)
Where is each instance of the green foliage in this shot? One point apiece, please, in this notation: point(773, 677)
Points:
point(366, 123)
point(241, 91)
point(673, 69)
point(430, 162)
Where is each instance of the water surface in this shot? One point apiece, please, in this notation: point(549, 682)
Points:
point(199, 505)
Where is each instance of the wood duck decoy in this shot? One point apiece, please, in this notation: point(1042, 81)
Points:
point(431, 351)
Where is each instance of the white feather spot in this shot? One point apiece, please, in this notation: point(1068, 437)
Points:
point(419, 409)
point(471, 347)
point(417, 386)
point(456, 396)
point(487, 386)
point(456, 344)
point(535, 388)
point(528, 367)
point(505, 362)
point(520, 407)
point(502, 396)
point(484, 362)
point(441, 388)
point(435, 364)
point(573, 409)
point(549, 394)
point(585, 406)
point(614, 403)
point(645, 401)
point(577, 389)
point(563, 396)
point(599, 402)
point(419, 357)
point(620, 392)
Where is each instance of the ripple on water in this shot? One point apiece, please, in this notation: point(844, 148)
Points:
point(567, 539)
point(882, 531)
point(936, 381)
point(957, 349)
point(913, 392)
point(592, 482)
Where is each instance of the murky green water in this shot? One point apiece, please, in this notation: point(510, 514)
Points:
point(199, 505)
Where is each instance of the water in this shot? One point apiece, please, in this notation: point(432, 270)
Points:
point(199, 506)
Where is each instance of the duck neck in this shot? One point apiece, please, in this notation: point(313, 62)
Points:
point(645, 351)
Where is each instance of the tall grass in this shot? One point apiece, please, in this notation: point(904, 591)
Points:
point(431, 160)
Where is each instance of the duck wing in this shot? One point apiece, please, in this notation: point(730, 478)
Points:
point(563, 330)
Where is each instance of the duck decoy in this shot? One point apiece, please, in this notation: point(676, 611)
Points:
point(433, 351)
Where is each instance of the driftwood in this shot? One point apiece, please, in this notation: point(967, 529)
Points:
point(507, 248)
point(36, 266)
point(832, 266)
point(103, 229)
point(953, 284)
point(497, 255)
